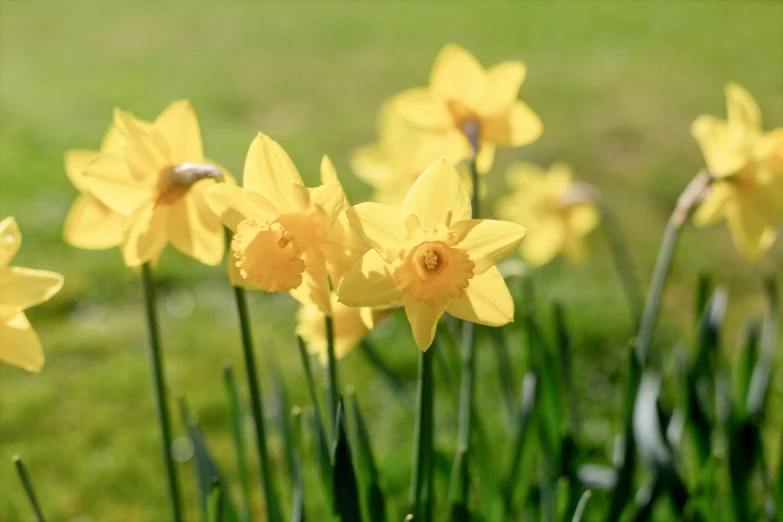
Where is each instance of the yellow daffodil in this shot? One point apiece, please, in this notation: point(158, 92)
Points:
point(351, 325)
point(21, 288)
point(746, 165)
point(280, 225)
point(543, 203)
point(157, 180)
point(468, 109)
point(432, 257)
point(91, 224)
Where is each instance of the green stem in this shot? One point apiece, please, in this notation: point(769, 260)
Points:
point(159, 383)
point(421, 490)
point(239, 440)
point(689, 198)
point(332, 388)
point(272, 509)
point(28, 487)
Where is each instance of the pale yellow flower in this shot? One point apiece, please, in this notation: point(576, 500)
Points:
point(432, 257)
point(466, 107)
point(351, 325)
point(91, 224)
point(746, 165)
point(281, 227)
point(542, 202)
point(21, 288)
point(157, 180)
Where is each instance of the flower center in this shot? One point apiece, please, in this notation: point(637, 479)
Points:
point(434, 272)
point(266, 253)
point(176, 181)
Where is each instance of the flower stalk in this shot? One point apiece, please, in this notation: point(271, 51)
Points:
point(27, 484)
point(331, 377)
point(159, 386)
point(421, 484)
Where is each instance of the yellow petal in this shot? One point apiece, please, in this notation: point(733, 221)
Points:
point(178, 126)
point(486, 300)
point(503, 83)
point(769, 150)
point(574, 247)
point(582, 218)
point(145, 236)
point(234, 204)
point(721, 143)
point(486, 241)
point(752, 233)
point(109, 179)
point(113, 141)
point(419, 108)
point(369, 283)
point(270, 172)
point(544, 241)
point(742, 109)
point(521, 175)
point(485, 158)
point(19, 344)
point(329, 200)
point(342, 247)
point(438, 197)
point(76, 160)
point(371, 165)
point(10, 239)
point(379, 225)
point(194, 229)
point(92, 225)
point(328, 172)
point(424, 320)
point(513, 128)
point(314, 290)
point(457, 75)
point(715, 206)
point(145, 152)
point(21, 288)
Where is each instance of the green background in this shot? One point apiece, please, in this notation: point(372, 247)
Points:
point(617, 85)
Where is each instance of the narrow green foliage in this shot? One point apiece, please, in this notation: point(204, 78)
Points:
point(523, 419)
point(758, 388)
point(159, 387)
point(703, 291)
point(281, 398)
point(346, 489)
point(746, 359)
point(332, 386)
point(237, 432)
point(297, 500)
point(215, 502)
point(374, 501)
point(420, 494)
point(458, 488)
point(565, 356)
point(27, 484)
point(580, 508)
point(505, 373)
point(367, 349)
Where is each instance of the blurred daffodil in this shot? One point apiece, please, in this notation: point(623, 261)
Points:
point(280, 225)
point(351, 325)
point(21, 288)
point(91, 224)
point(467, 109)
point(543, 202)
point(157, 179)
point(746, 165)
point(432, 257)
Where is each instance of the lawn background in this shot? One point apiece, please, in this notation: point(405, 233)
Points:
point(617, 85)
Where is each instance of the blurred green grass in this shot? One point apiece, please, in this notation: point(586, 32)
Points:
point(616, 84)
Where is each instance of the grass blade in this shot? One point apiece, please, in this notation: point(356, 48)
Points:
point(564, 351)
point(580, 508)
point(297, 501)
point(215, 510)
point(373, 494)
point(505, 373)
point(371, 354)
point(458, 488)
point(27, 484)
point(332, 386)
point(346, 489)
point(523, 419)
point(235, 412)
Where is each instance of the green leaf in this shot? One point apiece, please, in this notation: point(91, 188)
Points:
point(758, 388)
point(367, 349)
point(523, 419)
point(746, 359)
point(564, 351)
point(215, 502)
point(458, 488)
point(235, 413)
point(421, 482)
point(505, 373)
point(27, 484)
point(580, 508)
point(346, 490)
point(297, 502)
point(374, 500)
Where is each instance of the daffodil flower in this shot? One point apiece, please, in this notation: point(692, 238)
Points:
point(157, 180)
point(541, 201)
point(432, 257)
point(746, 166)
point(280, 225)
point(469, 109)
point(91, 224)
point(21, 288)
point(351, 325)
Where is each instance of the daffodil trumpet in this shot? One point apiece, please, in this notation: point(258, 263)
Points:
point(159, 388)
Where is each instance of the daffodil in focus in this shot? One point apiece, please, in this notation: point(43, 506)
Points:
point(746, 165)
point(469, 110)
point(545, 203)
point(157, 180)
point(432, 257)
point(90, 223)
point(351, 325)
point(21, 288)
point(280, 226)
